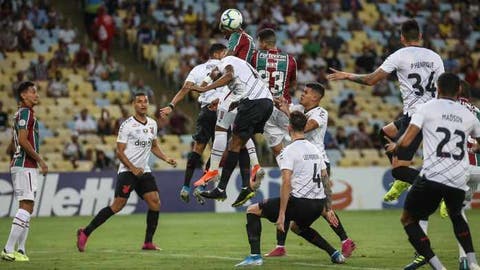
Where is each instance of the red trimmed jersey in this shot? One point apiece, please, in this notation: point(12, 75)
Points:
point(25, 119)
point(473, 158)
point(276, 68)
point(241, 45)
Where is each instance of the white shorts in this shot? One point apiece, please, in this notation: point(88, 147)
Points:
point(225, 118)
point(276, 128)
point(24, 182)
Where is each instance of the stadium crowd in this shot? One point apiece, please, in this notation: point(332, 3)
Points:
point(88, 83)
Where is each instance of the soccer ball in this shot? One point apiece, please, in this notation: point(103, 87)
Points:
point(231, 19)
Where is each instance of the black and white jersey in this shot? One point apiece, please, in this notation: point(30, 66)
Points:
point(246, 83)
point(317, 135)
point(446, 125)
point(196, 76)
point(305, 161)
point(138, 138)
point(417, 70)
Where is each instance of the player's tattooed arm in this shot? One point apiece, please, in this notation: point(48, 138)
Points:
point(327, 186)
point(365, 79)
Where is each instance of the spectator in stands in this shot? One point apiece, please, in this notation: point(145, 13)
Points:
point(72, 150)
point(334, 42)
point(471, 75)
point(104, 29)
point(298, 28)
point(381, 89)
point(23, 23)
point(3, 118)
point(113, 69)
point(25, 40)
point(374, 138)
point(365, 63)
point(360, 138)
point(61, 55)
point(82, 57)
point(97, 69)
point(102, 161)
point(8, 38)
point(144, 34)
point(67, 34)
point(37, 16)
point(178, 122)
point(333, 61)
point(39, 70)
point(190, 17)
point(304, 74)
point(451, 63)
point(355, 23)
point(348, 106)
point(294, 47)
point(413, 7)
point(329, 141)
point(53, 18)
point(445, 27)
point(398, 18)
point(141, 87)
point(341, 137)
point(85, 124)
point(104, 123)
point(16, 84)
point(57, 87)
point(120, 120)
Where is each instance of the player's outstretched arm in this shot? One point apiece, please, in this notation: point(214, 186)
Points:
point(25, 144)
point(222, 81)
point(285, 190)
point(165, 111)
point(158, 153)
point(366, 79)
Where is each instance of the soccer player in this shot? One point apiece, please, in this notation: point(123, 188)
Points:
point(417, 69)
point(279, 70)
point(304, 195)
point(446, 125)
point(251, 95)
point(205, 126)
point(317, 120)
point(241, 45)
point(137, 137)
point(24, 170)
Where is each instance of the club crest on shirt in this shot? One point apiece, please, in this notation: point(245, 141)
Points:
point(145, 130)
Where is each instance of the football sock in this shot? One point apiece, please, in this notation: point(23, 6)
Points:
point(461, 252)
point(22, 217)
point(405, 174)
point(252, 152)
point(228, 168)
point(23, 237)
point(254, 229)
point(244, 164)
point(316, 239)
point(152, 221)
point(219, 146)
point(339, 230)
point(99, 219)
point(472, 258)
point(282, 236)
point(424, 225)
point(462, 232)
point(192, 161)
point(436, 263)
point(419, 240)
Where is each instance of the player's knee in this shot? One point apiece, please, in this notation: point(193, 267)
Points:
point(407, 219)
point(118, 204)
point(295, 228)
point(254, 209)
point(154, 204)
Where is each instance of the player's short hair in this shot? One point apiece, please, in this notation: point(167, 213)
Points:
point(24, 86)
point(317, 87)
point(138, 94)
point(267, 35)
point(410, 30)
point(298, 121)
point(448, 84)
point(216, 47)
point(465, 89)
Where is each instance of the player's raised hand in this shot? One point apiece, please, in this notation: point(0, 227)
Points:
point(337, 75)
point(390, 146)
point(165, 111)
point(171, 161)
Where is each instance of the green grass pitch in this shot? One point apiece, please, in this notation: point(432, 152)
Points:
point(218, 241)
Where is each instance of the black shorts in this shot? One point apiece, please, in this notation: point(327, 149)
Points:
point(303, 211)
point(251, 117)
point(127, 181)
point(425, 196)
point(406, 153)
point(205, 126)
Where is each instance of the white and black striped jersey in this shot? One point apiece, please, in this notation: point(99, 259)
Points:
point(246, 83)
point(417, 70)
point(196, 76)
point(305, 161)
point(446, 125)
point(138, 138)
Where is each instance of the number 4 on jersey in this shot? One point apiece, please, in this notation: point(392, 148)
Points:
point(316, 175)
